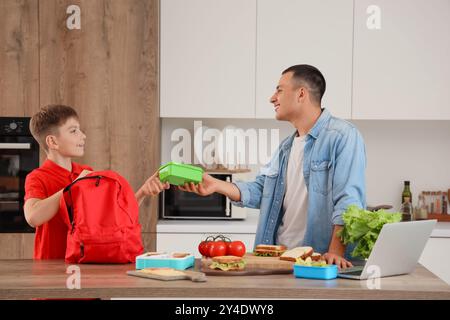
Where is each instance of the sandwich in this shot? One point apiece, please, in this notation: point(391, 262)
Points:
point(265, 250)
point(228, 263)
point(299, 252)
point(316, 256)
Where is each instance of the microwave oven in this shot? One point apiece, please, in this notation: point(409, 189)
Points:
point(178, 204)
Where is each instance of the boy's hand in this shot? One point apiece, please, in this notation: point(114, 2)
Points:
point(208, 186)
point(153, 186)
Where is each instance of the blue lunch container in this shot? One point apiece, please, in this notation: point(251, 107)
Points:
point(310, 272)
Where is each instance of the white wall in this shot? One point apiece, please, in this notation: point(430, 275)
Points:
point(418, 151)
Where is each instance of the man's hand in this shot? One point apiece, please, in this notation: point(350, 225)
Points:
point(332, 258)
point(208, 186)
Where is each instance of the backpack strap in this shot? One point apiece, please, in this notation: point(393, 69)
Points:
point(69, 192)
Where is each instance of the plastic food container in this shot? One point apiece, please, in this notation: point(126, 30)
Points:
point(164, 260)
point(178, 173)
point(324, 273)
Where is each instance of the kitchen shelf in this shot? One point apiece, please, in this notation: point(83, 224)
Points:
point(439, 217)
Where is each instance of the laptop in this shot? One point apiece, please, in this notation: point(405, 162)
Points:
point(396, 251)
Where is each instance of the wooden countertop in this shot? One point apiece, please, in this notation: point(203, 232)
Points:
point(27, 279)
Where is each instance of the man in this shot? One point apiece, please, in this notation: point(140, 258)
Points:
point(314, 176)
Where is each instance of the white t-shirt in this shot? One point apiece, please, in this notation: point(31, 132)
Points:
point(295, 205)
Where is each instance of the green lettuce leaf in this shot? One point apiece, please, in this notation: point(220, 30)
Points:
point(363, 227)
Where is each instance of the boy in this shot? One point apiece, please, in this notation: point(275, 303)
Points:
point(57, 129)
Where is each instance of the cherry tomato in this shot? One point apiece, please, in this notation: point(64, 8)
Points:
point(217, 248)
point(236, 248)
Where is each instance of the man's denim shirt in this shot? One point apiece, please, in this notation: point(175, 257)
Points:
point(334, 170)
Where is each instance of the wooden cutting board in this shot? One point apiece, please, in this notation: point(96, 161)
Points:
point(254, 266)
point(246, 272)
point(188, 275)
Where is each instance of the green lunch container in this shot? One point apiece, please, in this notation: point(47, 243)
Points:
point(178, 173)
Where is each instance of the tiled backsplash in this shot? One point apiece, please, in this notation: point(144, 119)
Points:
point(418, 151)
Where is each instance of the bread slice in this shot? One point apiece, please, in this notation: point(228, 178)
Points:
point(273, 247)
point(266, 250)
point(298, 252)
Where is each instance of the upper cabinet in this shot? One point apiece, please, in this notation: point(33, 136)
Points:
point(401, 59)
point(207, 58)
point(318, 33)
point(381, 59)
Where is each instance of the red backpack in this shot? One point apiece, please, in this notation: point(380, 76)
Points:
point(102, 215)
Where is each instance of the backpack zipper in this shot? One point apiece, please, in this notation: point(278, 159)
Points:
point(81, 249)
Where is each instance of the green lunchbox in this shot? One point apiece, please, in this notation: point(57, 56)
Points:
point(178, 173)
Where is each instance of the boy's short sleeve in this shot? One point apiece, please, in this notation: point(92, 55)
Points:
point(34, 188)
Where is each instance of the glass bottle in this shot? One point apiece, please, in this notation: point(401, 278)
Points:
point(444, 203)
point(407, 210)
point(406, 192)
point(421, 209)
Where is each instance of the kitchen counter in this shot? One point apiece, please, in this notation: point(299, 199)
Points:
point(27, 279)
point(247, 225)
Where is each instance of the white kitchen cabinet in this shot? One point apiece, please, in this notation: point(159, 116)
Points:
point(318, 33)
point(402, 69)
point(436, 257)
point(207, 58)
point(188, 242)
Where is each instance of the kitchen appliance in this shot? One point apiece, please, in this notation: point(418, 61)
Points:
point(19, 155)
point(177, 204)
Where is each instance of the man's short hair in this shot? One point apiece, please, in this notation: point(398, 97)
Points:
point(310, 77)
point(48, 120)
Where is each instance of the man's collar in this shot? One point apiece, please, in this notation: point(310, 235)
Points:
point(320, 123)
point(315, 130)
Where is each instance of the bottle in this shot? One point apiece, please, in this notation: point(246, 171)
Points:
point(438, 205)
point(406, 192)
point(407, 210)
point(444, 203)
point(421, 209)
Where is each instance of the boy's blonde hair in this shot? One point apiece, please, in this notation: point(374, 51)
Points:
point(48, 120)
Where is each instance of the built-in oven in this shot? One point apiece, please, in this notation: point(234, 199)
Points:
point(19, 155)
point(177, 204)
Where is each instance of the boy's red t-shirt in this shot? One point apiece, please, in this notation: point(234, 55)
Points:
point(51, 237)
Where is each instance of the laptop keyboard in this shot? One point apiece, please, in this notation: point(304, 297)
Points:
point(353, 270)
point(352, 273)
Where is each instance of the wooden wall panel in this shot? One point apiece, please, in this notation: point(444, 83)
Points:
point(19, 58)
point(19, 87)
point(108, 72)
point(16, 245)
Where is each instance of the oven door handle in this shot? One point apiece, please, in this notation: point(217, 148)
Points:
point(17, 146)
